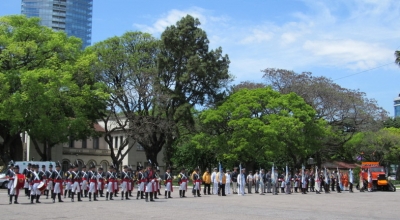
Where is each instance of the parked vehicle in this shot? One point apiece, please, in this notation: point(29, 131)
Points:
point(3, 180)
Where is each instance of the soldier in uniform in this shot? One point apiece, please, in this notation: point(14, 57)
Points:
point(168, 183)
point(250, 181)
point(132, 182)
point(84, 185)
point(45, 180)
point(242, 182)
point(35, 181)
point(68, 181)
point(158, 182)
point(50, 183)
point(76, 180)
point(228, 182)
point(10, 175)
point(182, 180)
point(141, 183)
point(57, 177)
point(100, 181)
point(111, 179)
point(27, 172)
point(333, 180)
point(197, 183)
point(256, 177)
point(149, 177)
point(234, 177)
point(296, 182)
point(93, 180)
point(126, 181)
point(214, 181)
point(14, 192)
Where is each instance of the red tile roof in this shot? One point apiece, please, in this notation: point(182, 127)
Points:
point(98, 128)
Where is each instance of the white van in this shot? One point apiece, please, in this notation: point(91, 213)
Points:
point(24, 164)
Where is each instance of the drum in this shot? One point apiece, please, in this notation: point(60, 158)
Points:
point(42, 186)
point(19, 181)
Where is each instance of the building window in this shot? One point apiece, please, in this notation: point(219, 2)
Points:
point(95, 143)
point(84, 143)
point(116, 142)
point(65, 166)
point(71, 142)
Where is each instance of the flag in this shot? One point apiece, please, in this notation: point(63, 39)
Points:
point(287, 175)
point(220, 172)
point(338, 176)
point(273, 175)
point(350, 176)
point(369, 177)
point(303, 178)
point(325, 176)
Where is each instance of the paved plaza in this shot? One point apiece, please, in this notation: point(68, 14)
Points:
point(375, 205)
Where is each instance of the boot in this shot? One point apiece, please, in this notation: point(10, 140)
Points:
point(169, 195)
point(142, 194)
point(126, 196)
point(147, 196)
point(11, 196)
point(151, 197)
point(86, 193)
point(79, 197)
point(72, 197)
point(69, 193)
point(90, 197)
point(32, 198)
point(52, 193)
point(111, 195)
point(16, 200)
point(122, 195)
point(165, 194)
point(159, 192)
point(59, 197)
point(47, 194)
point(37, 199)
point(101, 193)
point(155, 195)
point(95, 197)
point(137, 195)
point(26, 192)
point(183, 193)
point(130, 193)
point(8, 191)
point(65, 194)
point(180, 193)
point(53, 198)
point(29, 194)
point(81, 193)
point(198, 193)
point(107, 195)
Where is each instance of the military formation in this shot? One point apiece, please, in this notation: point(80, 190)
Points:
point(79, 183)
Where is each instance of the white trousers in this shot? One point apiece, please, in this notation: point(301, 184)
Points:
point(84, 185)
point(182, 186)
point(50, 185)
point(35, 190)
point(215, 188)
point(141, 186)
point(149, 187)
point(57, 188)
point(168, 187)
point(75, 187)
point(227, 188)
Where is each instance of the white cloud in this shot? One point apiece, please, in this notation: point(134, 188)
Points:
point(257, 36)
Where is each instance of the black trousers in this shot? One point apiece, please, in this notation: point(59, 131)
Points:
point(221, 187)
point(207, 185)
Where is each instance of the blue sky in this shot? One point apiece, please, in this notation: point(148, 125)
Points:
point(338, 39)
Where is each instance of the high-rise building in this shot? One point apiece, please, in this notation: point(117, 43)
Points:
point(397, 107)
point(72, 16)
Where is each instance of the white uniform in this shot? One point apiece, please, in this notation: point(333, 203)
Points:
point(242, 182)
point(75, 188)
point(215, 183)
point(35, 190)
point(228, 183)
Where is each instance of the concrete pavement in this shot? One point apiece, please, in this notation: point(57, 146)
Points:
point(375, 205)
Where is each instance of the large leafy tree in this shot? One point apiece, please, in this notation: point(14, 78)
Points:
point(261, 125)
point(397, 55)
point(46, 87)
point(347, 111)
point(189, 73)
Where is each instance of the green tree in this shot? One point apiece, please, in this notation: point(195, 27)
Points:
point(47, 89)
point(392, 122)
point(190, 74)
point(259, 125)
point(397, 55)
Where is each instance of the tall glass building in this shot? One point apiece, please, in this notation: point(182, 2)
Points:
point(397, 107)
point(72, 16)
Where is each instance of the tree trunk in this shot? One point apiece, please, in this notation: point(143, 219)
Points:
point(37, 148)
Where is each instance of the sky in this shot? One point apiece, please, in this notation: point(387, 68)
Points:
point(349, 41)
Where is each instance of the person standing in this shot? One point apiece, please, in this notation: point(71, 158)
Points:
point(168, 183)
point(92, 177)
point(100, 176)
point(68, 181)
point(333, 180)
point(234, 178)
point(221, 180)
point(84, 183)
point(263, 180)
point(110, 179)
point(268, 180)
point(27, 172)
point(50, 182)
point(149, 176)
point(351, 180)
point(228, 182)
point(256, 177)
point(35, 181)
point(207, 182)
point(14, 192)
point(214, 181)
point(76, 179)
point(182, 180)
point(57, 177)
point(196, 183)
point(250, 182)
point(338, 176)
point(141, 183)
point(126, 179)
point(10, 175)
point(242, 181)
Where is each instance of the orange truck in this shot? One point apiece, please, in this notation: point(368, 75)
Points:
point(378, 176)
